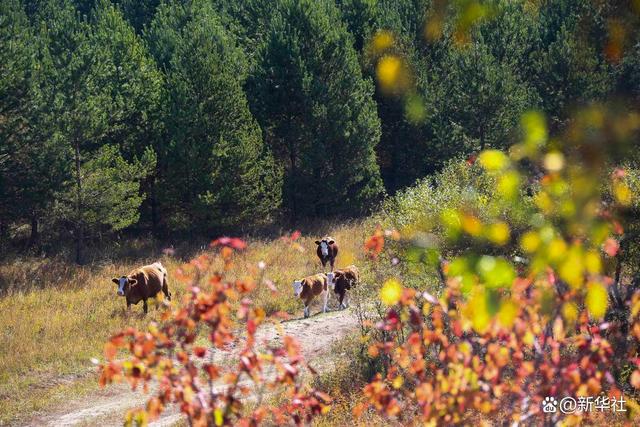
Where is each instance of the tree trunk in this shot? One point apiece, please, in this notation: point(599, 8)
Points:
point(154, 211)
point(79, 224)
point(292, 185)
point(4, 229)
point(33, 239)
point(4, 234)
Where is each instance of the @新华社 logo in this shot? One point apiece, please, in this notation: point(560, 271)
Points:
point(549, 404)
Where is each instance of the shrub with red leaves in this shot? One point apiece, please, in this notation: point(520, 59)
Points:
point(210, 391)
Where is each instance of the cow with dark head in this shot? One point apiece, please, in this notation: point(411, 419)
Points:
point(143, 283)
point(341, 281)
point(327, 251)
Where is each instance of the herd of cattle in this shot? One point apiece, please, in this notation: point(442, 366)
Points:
point(147, 282)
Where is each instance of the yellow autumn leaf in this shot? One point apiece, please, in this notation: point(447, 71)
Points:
point(498, 233)
point(622, 193)
point(570, 312)
point(535, 130)
point(528, 338)
point(507, 313)
point(397, 382)
point(477, 311)
point(217, 417)
point(544, 202)
point(530, 241)
point(391, 292)
point(142, 418)
point(389, 71)
point(493, 160)
point(557, 249)
point(596, 300)
point(508, 184)
point(571, 270)
point(188, 394)
point(593, 262)
point(382, 41)
point(471, 225)
point(558, 329)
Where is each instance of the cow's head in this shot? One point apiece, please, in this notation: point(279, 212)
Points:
point(297, 287)
point(124, 284)
point(324, 245)
point(331, 282)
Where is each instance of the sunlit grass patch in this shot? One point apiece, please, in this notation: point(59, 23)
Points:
point(57, 316)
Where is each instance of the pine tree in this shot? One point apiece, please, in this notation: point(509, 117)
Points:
point(31, 164)
point(317, 111)
point(219, 171)
point(483, 103)
point(93, 75)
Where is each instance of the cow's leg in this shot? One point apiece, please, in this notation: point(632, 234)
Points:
point(144, 305)
point(165, 288)
point(128, 307)
point(326, 299)
point(341, 298)
point(332, 262)
point(324, 264)
point(306, 310)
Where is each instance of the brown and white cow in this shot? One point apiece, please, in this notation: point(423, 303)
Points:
point(143, 283)
point(327, 251)
point(341, 281)
point(310, 287)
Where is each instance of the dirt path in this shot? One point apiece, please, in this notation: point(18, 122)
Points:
point(107, 407)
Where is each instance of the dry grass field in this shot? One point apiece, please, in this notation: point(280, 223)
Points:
point(56, 316)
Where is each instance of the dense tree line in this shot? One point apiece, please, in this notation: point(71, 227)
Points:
point(203, 114)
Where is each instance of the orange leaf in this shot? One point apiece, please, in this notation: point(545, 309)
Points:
point(110, 351)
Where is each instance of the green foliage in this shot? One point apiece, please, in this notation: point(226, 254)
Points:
point(459, 186)
point(429, 212)
point(218, 171)
point(94, 82)
point(110, 194)
point(316, 111)
point(253, 105)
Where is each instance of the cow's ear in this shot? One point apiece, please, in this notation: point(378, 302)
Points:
point(132, 282)
point(331, 242)
point(116, 280)
point(317, 242)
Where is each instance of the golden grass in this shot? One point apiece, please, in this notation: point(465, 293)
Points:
point(50, 333)
point(57, 316)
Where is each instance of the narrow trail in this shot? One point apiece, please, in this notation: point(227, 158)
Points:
point(107, 407)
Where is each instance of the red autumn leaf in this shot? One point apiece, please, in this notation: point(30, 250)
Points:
point(635, 379)
point(232, 242)
point(200, 351)
point(392, 317)
point(374, 245)
point(611, 247)
point(251, 326)
point(619, 173)
point(551, 277)
point(271, 286)
point(472, 159)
